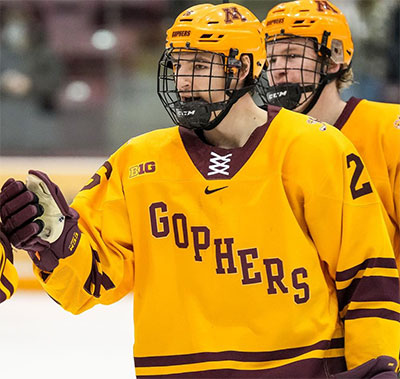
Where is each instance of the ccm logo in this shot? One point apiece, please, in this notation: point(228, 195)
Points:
point(185, 113)
point(142, 168)
point(276, 95)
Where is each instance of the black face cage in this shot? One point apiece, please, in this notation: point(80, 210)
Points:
point(274, 87)
point(194, 104)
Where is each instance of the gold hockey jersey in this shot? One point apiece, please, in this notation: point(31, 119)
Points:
point(374, 129)
point(270, 259)
point(8, 273)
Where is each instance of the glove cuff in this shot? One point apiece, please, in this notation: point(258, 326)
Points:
point(46, 256)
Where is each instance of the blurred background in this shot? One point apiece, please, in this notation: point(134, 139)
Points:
point(78, 78)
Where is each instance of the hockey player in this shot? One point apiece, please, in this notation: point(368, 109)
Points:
point(253, 247)
point(8, 274)
point(310, 49)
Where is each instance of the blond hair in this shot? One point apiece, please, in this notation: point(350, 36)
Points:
point(345, 80)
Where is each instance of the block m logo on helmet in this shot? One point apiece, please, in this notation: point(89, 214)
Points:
point(231, 14)
point(324, 6)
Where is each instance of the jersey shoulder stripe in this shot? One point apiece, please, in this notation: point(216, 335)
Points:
point(8, 276)
point(369, 115)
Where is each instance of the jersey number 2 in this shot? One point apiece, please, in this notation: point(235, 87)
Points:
point(365, 187)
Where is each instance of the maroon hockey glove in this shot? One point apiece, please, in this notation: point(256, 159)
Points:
point(18, 208)
point(41, 222)
point(382, 367)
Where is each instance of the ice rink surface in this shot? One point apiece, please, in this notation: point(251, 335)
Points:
point(39, 340)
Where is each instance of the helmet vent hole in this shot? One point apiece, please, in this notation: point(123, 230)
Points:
point(299, 21)
point(206, 36)
point(213, 22)
point(186, 19)
point(221, 35)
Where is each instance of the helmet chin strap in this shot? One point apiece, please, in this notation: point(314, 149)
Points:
point(315, 97)
point(323, 82)
point(233, 98)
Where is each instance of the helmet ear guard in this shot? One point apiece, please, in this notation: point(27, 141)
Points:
point(233, 67)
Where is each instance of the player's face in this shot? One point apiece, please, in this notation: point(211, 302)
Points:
point(293, 61)
point(199, 76)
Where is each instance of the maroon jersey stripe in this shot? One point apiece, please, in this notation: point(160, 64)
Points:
point(347, 111)
point(2, 296)
point(306, 368)
point(240, 356)
point(368, 263)
point(5, 282)
point(370, 288)
point(380, 313)
point(7, 247)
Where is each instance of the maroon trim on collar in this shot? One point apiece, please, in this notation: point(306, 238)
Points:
point(347, 111)
point(201, 153)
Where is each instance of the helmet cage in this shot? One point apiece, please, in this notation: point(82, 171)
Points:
point(194, 108)
point(313, 71)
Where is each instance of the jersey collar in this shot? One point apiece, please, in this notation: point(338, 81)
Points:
point(217, 163)
point(347, 111)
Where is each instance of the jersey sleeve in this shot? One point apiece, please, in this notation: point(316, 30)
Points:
point(392, 150)
point(8, 273)
point(101, 268)
point(396, 196)
point(341, 212)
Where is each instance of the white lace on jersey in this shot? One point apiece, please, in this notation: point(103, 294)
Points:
point(219, 164)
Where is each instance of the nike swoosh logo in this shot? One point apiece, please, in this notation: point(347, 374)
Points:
point(208, 191)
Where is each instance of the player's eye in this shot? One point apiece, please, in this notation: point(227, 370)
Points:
point(201, 66)
point(272, 60)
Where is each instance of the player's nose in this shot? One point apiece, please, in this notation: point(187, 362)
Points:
point(279, 71)
point(184, 82)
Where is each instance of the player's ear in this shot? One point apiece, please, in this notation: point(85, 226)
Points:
point(333, 67)
point(246, 66)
